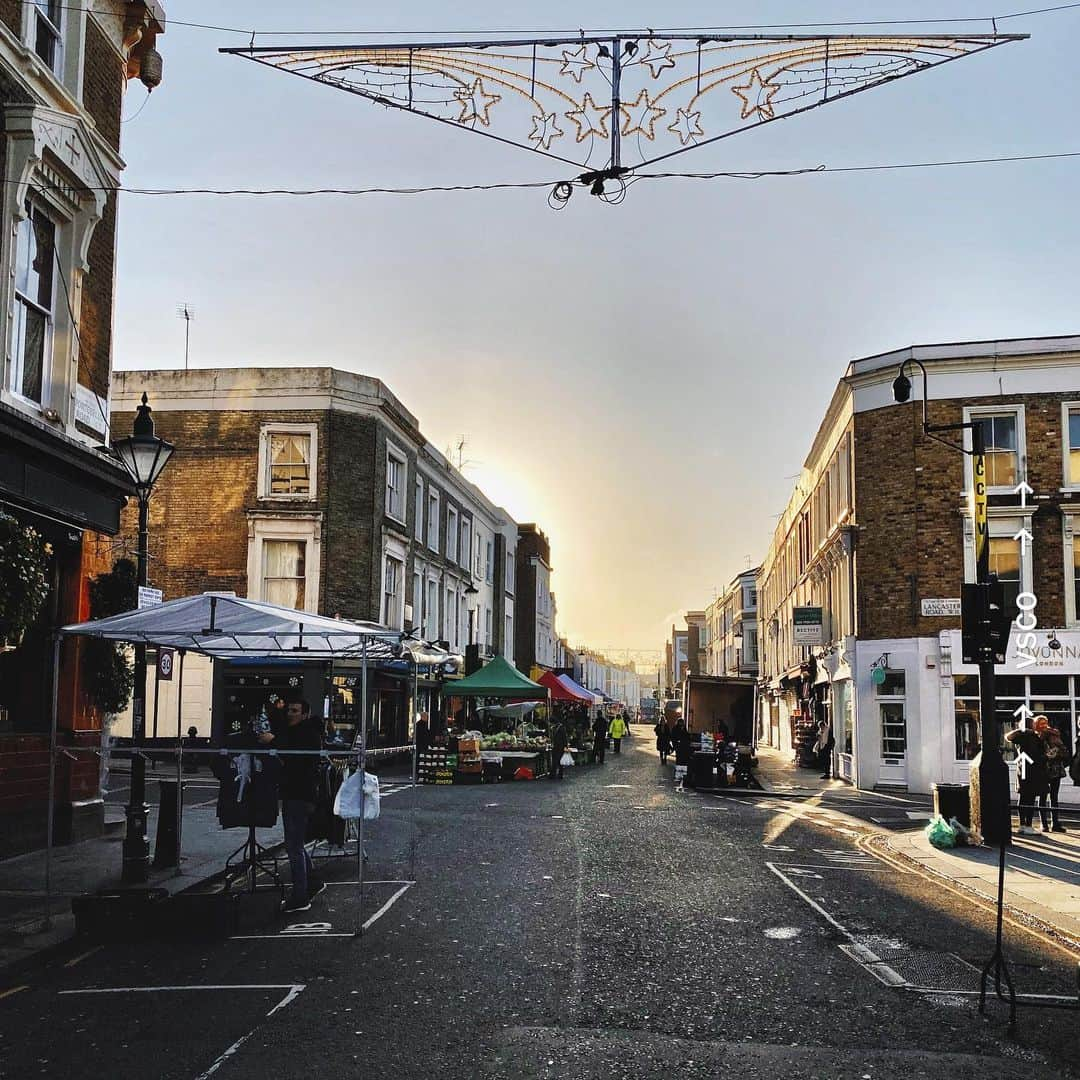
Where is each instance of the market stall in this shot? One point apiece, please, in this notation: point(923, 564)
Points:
point(572, 705)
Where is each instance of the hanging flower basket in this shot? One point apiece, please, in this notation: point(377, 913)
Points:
point(24, 579)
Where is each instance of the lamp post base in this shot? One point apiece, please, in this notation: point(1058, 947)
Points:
point(990, 811)
point(136, 853)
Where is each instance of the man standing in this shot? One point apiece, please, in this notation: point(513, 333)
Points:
point(599, 730)
point(824, 746)
point(299, 781)
point(558, 746)
point(617, 731)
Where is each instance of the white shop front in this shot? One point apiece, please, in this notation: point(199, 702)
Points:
point(1049, 686)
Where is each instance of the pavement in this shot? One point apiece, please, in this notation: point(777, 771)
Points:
point(601, 926)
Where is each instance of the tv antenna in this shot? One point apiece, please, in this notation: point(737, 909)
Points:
point(186, 312)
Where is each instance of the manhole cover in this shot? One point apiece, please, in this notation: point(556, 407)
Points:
point(922, 968)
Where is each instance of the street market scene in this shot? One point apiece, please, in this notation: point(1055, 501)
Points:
point(601, 599)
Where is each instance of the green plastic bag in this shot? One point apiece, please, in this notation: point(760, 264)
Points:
point(940, 833)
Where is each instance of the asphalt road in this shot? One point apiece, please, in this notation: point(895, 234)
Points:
point(605, 926)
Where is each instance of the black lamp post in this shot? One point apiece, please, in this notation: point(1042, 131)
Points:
point(985, 623)
point(472, 653)
point(144, 456)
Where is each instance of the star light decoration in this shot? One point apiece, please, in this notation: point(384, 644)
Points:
point(629, 99)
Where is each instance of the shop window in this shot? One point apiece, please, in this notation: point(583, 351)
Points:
point(966, 714)
point(32, 327)
point(284, 572)
point(892, 715)
point(1002, 449)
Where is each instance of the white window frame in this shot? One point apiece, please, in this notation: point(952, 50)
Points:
point(30, 27)
point(395, 619)
point(508, 584)
point(489, 560)
point(465, 547)
point(451, 533)
point(268, 526)
point(418, 599)
point(434, 506)
point(1001, 525)
point(980, 412)
point(421, 502)
point(263, 492)
point(401, 512)
point(1066, 408)
point(1070, 528)
point(431, 611)
point(892, 699)
point(17, 366)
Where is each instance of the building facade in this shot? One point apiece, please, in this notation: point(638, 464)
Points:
point(731, 630)
point(536, 642)
point(878, 535)
point(63, 72)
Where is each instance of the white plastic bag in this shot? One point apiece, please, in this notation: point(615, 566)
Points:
point(567, 758)
point(359, 794)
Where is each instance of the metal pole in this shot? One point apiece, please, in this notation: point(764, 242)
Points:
point(363, 776)
point(51, 812)
point(415, 769)
point(157, 688)
point(179, 759)
point(136, 851)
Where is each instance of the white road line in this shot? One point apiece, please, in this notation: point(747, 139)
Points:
point(294, 991)
point(388, 905)
point(840, 866)
point(163, 989)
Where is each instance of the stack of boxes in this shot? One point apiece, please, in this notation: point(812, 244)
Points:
point(436, 766)
point(470, 767)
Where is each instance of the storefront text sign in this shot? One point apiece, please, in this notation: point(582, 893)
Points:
point(1064, 658)
point(938, 608)
point(807, 626)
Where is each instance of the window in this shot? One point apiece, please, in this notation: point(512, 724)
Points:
point(751, 646)
point(753, 598)
point(509, 572)
point(1005, 562)
point(431, 612)
point(1002, 449)
point(417, 600)
point(451, 534)
point(396, 472)
point(31, 330)
point(1072, 445)
point(1076, 576)
point(466, 542)
point(46, 31)
point(393, 577)
point(450, 631)
point(433, 519)
point(283, 572)
point(487, 627)
point(891, 710)
point(508, 641)
point(418, 524)
point(286, 455)
point(489, 561)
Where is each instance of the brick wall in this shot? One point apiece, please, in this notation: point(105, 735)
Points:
point(909, 510)
point(102, 84)
point(11, 15)
point(95, 314)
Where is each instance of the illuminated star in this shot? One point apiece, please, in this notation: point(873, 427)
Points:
point(590, 125)
point(756, 97)
point(475, 103)
point(658, 57)
point(641, 116)
point(687, 126)
point(544, 130)
point(575, 63)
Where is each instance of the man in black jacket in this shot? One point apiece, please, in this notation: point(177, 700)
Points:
point(299, 781)
point(599, 729)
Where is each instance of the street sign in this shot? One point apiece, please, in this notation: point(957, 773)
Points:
point(807, 624)
point(165, 660)
point(935, 609)
point(149, 597)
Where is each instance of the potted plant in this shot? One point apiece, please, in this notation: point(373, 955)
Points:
point(24, 579)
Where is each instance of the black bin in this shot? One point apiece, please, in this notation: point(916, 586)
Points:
point(953, 801)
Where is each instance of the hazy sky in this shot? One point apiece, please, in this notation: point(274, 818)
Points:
point(643, 380)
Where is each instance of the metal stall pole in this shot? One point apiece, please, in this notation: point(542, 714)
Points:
point(415, 769)
point(180, 761)
point(363, 777)
point(47, 922)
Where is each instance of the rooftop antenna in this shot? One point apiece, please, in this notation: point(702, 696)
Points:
point(186, 312)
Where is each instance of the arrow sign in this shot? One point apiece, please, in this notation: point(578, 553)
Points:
point(1023, 536)
point(1023, 489)
point(1025, 714)
point(1023, 761)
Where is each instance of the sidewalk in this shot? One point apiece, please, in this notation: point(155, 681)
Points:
point(94, 865)
point(1042, 875)
point(777, 776)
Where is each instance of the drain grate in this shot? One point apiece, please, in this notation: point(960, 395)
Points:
point(922, 969)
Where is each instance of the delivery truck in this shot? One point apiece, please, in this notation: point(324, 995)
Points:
point(711, 703)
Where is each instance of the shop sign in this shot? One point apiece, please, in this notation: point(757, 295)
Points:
point(807, 626)
point(934, 609)
point(1057, 650)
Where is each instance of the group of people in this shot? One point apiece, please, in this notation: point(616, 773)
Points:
point(672, 738)
point(1043, 762)
point(595, 735)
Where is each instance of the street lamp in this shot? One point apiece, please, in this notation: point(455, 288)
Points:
point(472, 651)
point(985, 624)
point(144, 456)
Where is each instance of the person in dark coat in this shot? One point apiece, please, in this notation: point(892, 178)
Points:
point(680, 740)
point(1031, 777)
point(557, 738)
point(599, 733)
point(1057, 759)
point(663, 740)
point(422, 734)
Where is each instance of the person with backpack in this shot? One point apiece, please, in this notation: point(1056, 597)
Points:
point(1031, 777)
point(618, 731)
point(1057, 755)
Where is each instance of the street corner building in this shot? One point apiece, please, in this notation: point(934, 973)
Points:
point(63, 73)
point(859, 594)
point(315, 489)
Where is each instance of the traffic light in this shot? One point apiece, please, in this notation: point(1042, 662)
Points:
point(984, 621)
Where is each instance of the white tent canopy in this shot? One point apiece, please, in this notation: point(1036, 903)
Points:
point(228, 627)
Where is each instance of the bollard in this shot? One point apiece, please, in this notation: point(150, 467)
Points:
point(167, 840)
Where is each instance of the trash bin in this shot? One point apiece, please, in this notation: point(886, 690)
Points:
point(953, 801)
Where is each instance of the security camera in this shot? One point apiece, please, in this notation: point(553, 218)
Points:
point(901, 388)
point(1053, 642)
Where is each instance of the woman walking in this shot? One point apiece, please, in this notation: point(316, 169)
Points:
point(663, 740)
point(1057, 758)
point(1031, 777)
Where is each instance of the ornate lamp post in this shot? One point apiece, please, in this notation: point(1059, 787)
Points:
point(143, 456)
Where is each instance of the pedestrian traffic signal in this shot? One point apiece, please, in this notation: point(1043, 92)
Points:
point(985, 623)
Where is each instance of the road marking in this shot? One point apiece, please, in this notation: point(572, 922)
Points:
point(777, 847)
point(297, 987)
point(13, 991)
point(783, 933)
point(918, 815)
point(803, 873)
point(837, 866)
point(80, 959)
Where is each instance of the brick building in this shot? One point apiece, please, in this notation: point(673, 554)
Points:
point(878, 535)
point(316, 489)
point(536, 640)
point(63, 72)
point(730, 629)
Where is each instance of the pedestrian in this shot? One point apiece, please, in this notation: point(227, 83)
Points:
point(617, 731)
point(1031, 777)
point(422, 734)
point(298, 790)
point(557, 738)
point(824, 746)
point(663, 740)
point(599, 746)
point(680, 740)
point(1057, 756)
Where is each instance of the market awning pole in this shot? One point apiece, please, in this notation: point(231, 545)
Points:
point(179, 758)
point(47, 923)
point(415, 768)
point(363, 778)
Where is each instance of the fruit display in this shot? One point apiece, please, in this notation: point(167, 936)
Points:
point(504, 740)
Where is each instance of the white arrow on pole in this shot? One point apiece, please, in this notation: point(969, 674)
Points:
point(1023, 536)
point(1022, 763)
point(1023, 489)
point(1025, 714)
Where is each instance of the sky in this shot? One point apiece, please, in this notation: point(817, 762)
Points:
point(643, 380)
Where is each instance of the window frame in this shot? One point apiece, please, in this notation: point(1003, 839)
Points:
point(1067, 407)
point(452, 536)
point(1070, 534)
point(266, 525)
point(434, 510)
point(1002, 524)
point(982, 412)
point(397, 621)
point(880, 700)
point(263, 492)
point(36, 16)
point(398, 456)
point(23, 301)
point(420, 501)
point(465, 542)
